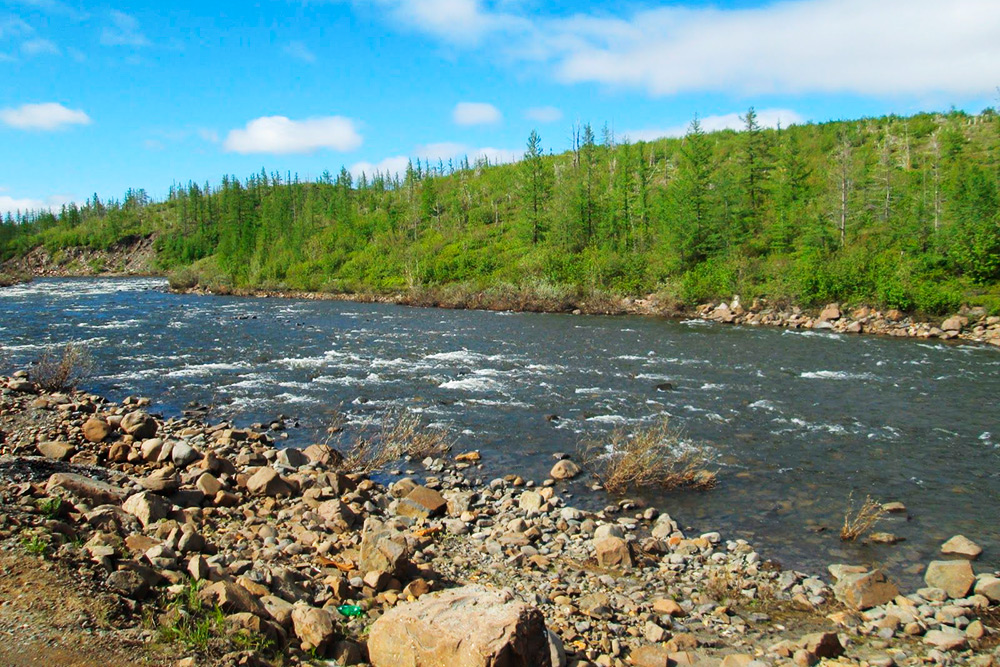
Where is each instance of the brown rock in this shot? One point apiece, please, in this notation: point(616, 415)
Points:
point(668, 607)
point(60, 451)
point(86, 487)
point(267, 482)
point(147, 507)
point(436, 631)
point(323, 454)
point(564, 469)
point(139, 425)
point(960, 545)
point(313, 627)
point(422, 503)
point(231, 598)
point(650, 656)
point(96, 429)
point(162, 480)
point(955, 577)
point(830, 313)
point(864, 590)
point(382, 549)
point(822, 645)
point(613, 552)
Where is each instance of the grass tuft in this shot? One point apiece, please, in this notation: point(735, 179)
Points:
point(860, 521)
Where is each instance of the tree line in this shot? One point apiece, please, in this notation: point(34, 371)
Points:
point(894, 211)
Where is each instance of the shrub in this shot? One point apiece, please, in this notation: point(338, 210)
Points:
point(859, 522)
point(62, 371)
point(650, 456)
point(397, 435)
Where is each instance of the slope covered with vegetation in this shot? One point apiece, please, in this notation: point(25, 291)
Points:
point(894, 212)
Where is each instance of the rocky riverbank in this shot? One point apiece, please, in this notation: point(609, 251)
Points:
point(970, 324)
point(226, 550)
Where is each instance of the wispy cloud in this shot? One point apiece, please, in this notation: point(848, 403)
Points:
point(890, 47)
point(10, 204)
point(543, 114)
point(281, 135)
point(395, 165)
point(39, 47)
point(475, 113)
point(47, 117)
point(730, 121)
point(124, 31)
point(300, 51)
point(14, 26)
point(443, 151)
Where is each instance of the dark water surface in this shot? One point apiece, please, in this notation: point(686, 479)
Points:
point(795, 421)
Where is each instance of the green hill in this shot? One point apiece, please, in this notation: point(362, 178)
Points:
point(893, 212)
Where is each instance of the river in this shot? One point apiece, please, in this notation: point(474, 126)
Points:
point(794, 421)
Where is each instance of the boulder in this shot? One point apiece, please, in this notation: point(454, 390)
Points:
point(613, 552)
point(293, 458)
point(436, 630)
point(830, 313)
point(96, 429)
point(208, 484)
point(650, 656)
point(86, 487)
point(864, 590)
point(955, 577)
point(989, 587)
point(945, 639)
point(140, 425)
point(183, 454)
point(422, 503)
point(530, 501)
point(232, 599)
point(564, 469)
point(822, 645)
point(313, 627)
point(954, 323)
point(127, 583)
point(146, 507)
point(267, 482)
point(961, 546)
point(382, 548)
point(60, 451)
point(162, 480)
point(323, 455)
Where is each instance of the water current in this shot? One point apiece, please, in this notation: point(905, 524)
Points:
point(794, 421)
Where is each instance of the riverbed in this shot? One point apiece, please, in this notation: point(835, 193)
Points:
point(794, 421)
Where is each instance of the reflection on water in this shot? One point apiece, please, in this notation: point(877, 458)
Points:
point(796, 420)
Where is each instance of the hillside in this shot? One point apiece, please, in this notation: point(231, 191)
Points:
point(893, 212)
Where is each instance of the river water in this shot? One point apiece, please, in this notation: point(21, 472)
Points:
point(794, 421)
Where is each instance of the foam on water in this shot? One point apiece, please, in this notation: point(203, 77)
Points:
point(836, 375)
point(195, 370)
point(472, 384)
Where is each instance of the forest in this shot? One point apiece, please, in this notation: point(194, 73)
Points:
point(895, 212)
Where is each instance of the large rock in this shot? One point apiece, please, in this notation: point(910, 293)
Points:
point(162, 480)
point(60, 451)
point(292, 458)
point(232, 599)
point(382, 548)
point(961, 546)
point(613, 552)
point(954, 323)
point(955, 577)
point(267, 482)
point(139, 425)
point(182, 454)
point(313, 627)
point(422, 503)
point(830, 313)
point(864, 590)
point(564, 469)
point(96, 429)
point(147, 507)
point(470, 626)
point(86, 487)
point(323, 455)
point(822, 644)
point(989, 587)
point(946, 639)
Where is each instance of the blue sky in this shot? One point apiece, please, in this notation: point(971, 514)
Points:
point(103, 97)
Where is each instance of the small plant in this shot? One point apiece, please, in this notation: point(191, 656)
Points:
point(859, 522)
point(650, 456)
point(62, 372)
point(399, 434)
point(51, 507)
point(34, 544)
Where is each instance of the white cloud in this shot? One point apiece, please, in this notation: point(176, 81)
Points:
point(299, 51)
point(730, 121)
point(46, 116)
point(889, 47)
point(38, 47)
point(13, 26)
point(395, 165)
point(281, 135)
point(543, 114)
point(10, 204)
point(441, 151)
point(124, 32)
point(475, 113)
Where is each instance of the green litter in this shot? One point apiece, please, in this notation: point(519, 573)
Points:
point(350, 610)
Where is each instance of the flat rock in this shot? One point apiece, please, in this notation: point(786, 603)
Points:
point(947, 639)
point(436, 631)
point(232, 598)
point(86, 487)
point(955, 577)
point(961, 546)
point(423, 503)
point(267, 482)
point(162, 480)
point(60, 451)
point(864, 590)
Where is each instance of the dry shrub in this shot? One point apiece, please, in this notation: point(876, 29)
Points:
point(859, 522)
point(399, 434)
point(649, 456)
point(62, 371)
point(738, 587)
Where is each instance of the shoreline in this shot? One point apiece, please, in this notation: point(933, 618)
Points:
point(296, 549)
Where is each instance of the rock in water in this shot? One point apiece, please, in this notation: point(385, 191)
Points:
point(471, 626)
point(564, 469)
point(960, 545)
